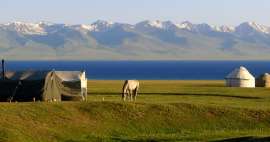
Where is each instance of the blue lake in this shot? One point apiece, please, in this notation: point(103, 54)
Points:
point(146, 70)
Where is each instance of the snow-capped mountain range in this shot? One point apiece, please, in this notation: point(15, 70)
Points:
point(144, 40)
point(42, 27)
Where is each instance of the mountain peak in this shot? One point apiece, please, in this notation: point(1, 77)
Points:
point(251, 27)
point(45, 23)
point(85, 28)
point(26, 28)
point(103, 22)
point(156, 24)
point(148, 23)
point(185, 25)
point(227, 28)
point(101, 25)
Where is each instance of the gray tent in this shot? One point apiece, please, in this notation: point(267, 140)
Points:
point(43, 85)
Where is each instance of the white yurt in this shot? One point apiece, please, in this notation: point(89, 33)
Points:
point(263, 80)
point(240, 77)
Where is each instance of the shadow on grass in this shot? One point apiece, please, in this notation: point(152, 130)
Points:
point(122, 139)
point(246, 139)
point(181, 94)
point(144, 140)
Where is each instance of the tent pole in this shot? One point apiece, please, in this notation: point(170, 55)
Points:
point(3, 69)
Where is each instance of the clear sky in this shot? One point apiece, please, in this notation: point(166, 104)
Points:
point(219, 12)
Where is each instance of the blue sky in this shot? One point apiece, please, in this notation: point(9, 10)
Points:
point(228, 12)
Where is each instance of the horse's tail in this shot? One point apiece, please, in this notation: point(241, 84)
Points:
point(124, 89)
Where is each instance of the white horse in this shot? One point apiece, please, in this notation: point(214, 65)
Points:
point(130, 90)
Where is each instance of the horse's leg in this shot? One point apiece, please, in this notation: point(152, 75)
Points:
point(124, 94)
point(130, 95)
point(127, 95)
point(136, 92)
point(134, 95)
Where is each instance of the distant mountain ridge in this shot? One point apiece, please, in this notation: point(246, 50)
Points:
point(146, 40)
point(100, 25)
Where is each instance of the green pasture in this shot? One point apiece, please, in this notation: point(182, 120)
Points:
point(164, 111)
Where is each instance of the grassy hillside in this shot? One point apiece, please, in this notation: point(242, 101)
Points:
point(165, 111)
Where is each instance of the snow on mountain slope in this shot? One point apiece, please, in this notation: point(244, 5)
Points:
point(166, 25)
point(225, 29)
point(185, 25)
point(83, 28)
point(259, 28)
point(25, 28)
point(101, 25)
point(250, 27)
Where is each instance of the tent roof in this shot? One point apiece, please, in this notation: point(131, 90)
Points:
point(38, 75)
point(240, 73)
point(25, 75)
point(69, 75)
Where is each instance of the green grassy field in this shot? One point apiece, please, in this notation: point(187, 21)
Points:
point(164, 111)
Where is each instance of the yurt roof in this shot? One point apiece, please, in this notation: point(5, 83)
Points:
point(265, 76)
point(240, 73)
